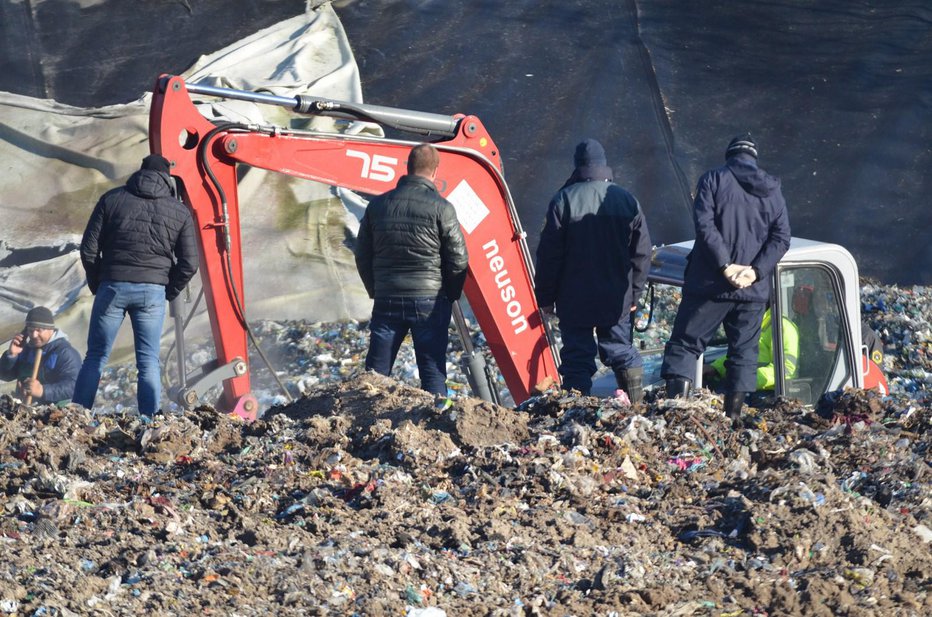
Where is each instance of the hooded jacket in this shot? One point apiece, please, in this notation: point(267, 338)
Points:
point(740, 217)
point(140, 233)
point(594, 251)
point(410, 243)
point(58, 368)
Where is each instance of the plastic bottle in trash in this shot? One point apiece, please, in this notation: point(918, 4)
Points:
point(640, 318)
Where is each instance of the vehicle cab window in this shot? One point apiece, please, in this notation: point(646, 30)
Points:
point(810, 297)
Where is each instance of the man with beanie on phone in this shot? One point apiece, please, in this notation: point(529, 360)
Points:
point(58, 361)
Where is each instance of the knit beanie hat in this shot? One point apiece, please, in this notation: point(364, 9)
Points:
point(589, 153)
point(40, 317)
point(741, 143)
point(156, 162)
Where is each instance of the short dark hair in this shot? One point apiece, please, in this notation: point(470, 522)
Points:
point(423, 160)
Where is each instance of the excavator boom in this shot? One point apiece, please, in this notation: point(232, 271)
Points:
point(204, 155)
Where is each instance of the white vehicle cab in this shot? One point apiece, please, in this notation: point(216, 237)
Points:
point(816, 287)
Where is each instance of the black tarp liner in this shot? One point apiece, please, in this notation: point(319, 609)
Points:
point(837, 93)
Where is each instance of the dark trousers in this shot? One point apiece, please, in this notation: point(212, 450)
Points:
point(577, 355)
point(696, 321)
point(428, 320)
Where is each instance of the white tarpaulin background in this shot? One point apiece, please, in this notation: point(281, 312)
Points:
point(57, 160)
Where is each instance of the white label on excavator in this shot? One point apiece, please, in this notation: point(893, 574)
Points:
point(469, 208)
point(378, 167)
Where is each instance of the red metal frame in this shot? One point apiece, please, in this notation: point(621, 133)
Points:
point(499, 286)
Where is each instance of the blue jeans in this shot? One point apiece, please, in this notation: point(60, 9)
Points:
point(145, 304)
point(428, 320)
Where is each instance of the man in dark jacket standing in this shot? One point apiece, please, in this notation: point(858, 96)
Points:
point(59, 362)
point(592, 263)
point(139, 251)
point(411, 256)
point(742, 232)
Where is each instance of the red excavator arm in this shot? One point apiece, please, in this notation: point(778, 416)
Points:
point(204, 155)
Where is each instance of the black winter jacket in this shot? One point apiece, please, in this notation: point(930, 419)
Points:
point(58, 369)
point(410, 243)
point(740, 217)
point(140, 233)
point(594, 253)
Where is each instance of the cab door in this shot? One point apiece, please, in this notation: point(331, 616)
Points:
point(811, 299)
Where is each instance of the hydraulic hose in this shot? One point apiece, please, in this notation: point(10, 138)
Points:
point(203, 149)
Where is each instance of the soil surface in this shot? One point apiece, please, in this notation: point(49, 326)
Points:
point(365, 497)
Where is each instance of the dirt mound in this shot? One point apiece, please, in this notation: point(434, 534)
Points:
point(366, 497)
point(376, 413)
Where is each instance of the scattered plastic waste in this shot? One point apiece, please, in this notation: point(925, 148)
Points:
point(364, 497)
point(924, 533)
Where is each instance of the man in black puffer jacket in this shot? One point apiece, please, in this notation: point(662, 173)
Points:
point(411, 256)
point(742, 232)
point(139, 251)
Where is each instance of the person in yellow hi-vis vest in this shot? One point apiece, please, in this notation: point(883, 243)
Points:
point(765, 369)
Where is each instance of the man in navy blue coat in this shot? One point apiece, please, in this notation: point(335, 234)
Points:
point(742, 232)
point(592, 263)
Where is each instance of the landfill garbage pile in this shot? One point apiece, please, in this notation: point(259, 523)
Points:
point(903, 319)
point(365, 496)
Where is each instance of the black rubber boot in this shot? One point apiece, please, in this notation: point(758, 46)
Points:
point(734, 401)
point(678, 387)
point(630, 380)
